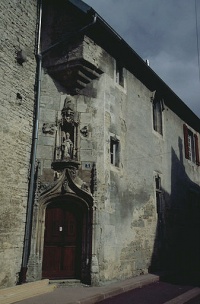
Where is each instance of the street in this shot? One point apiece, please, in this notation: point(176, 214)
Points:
point(196, 300)
point(156, 293)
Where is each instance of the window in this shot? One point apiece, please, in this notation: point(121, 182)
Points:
point(191, 145)
point(114, 151)
point(158, 194)
point(158, 183)
point(160, 243)
point(157, 115)
point(119, 74)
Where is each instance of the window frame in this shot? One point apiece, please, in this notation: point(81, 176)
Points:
point(119, 74)
point(114, 151)
point(157, 112)
point(191, 145)
point(158, 194)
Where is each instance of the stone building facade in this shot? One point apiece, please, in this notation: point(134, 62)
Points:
point(116, 173)
point(18, 67)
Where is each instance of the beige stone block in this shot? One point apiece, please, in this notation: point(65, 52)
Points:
point(45, 152)
point(85, 118)
point(46, 140)
point(86, 155)
point(47, 163)
point(81, 107)
point(48, 115)
point(86, 144)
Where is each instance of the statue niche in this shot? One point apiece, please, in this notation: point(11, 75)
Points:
point(66, 147)
point(66, 137)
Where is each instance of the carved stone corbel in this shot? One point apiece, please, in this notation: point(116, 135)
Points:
point(84, 131)
point(48, 128)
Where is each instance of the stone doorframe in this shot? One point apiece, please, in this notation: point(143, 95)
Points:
point(65, 188)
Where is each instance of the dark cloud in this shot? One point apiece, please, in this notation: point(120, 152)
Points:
point(163, 31)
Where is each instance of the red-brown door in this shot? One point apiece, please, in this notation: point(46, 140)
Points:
point(61, 258)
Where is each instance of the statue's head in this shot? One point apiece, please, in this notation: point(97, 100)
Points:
point(67, 135)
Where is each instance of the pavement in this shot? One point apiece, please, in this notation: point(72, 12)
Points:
point(84, 294)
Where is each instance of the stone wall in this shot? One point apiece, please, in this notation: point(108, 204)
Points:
point(18, 26)
point(134, 236)
point(126, 203)
point(131, 233)
point(130, 236)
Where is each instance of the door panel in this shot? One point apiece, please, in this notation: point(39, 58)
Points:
point(53, 255)
point(52, 224)
point(69, 260)
point(62, 243)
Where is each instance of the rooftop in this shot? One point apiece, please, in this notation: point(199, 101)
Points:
point(101, 32)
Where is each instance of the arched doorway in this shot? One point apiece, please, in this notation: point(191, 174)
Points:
point(65, 240)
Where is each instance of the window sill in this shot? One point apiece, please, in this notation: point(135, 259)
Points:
point(191, 163)
point(114, 168)
point(160, 136)
point(121, 88)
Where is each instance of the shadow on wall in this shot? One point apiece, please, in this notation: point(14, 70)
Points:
point(177, 242)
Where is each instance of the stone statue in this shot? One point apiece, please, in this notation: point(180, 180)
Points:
point(67, 147)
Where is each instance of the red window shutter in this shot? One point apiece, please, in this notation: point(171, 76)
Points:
point(197, 149)
point(185, 132)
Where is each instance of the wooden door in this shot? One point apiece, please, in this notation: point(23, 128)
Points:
point(61, 258)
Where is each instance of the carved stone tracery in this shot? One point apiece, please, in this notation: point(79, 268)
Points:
point(68, 187)
point(68, 181)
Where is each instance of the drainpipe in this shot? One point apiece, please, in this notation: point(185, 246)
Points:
point(39, 55)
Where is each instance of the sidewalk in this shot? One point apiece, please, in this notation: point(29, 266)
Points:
point(88, 295)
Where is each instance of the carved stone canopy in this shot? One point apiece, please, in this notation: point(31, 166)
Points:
point(69, 117)
point(68, 181)
point(61, 165)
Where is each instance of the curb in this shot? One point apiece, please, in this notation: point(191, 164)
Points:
point(128, 286)
point(114, 291)
point(185, 297)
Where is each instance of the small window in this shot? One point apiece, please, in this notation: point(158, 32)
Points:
point(119, 74)
point(191, 145)
point(157, 115)
point(158, 194)
point(114, 151)
point(158, 183)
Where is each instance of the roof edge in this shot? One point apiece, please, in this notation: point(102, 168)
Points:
point(82, 6)
point(85, 8)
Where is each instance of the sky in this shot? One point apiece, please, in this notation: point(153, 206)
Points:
point(164, 32)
